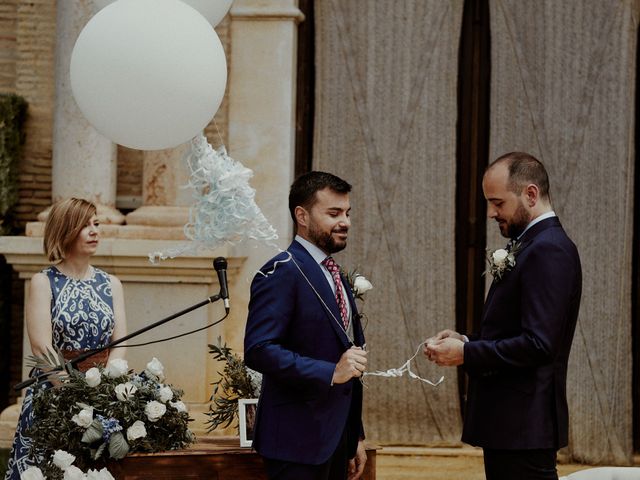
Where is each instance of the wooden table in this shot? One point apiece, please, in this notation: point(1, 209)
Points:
point(217, 458)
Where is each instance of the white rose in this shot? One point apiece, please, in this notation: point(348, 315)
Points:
point(154, 367)
point(99, 475)
point(116, 368)
point(164, 394)
point(104, 474)
point(499, 256)
point(154, 410)
point(361, 285)
point(92, 377)
point(124, 391)
point(84, 417)
point(32, 473)
point(62, 459)
point(73, 473)
point(137, 430)
point(179, 406)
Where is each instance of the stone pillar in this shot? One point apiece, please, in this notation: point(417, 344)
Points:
point(165, 208)
point(262, 92)
point(84, 162)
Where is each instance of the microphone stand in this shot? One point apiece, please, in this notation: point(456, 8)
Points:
point(90, 353)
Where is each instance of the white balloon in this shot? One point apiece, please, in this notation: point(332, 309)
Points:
point(148, 74)
point(213, 10)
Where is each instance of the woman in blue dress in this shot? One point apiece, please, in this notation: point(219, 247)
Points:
point(72, 305)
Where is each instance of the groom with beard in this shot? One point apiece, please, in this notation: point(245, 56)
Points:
point(517, 364)
point(304, 335)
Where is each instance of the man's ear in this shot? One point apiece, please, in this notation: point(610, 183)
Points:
point(532, 193)
point(302, 216)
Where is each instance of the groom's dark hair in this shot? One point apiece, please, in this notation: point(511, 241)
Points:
point(524, 169)
point(304, 188)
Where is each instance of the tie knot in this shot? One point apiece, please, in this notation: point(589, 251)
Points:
point(331, 264)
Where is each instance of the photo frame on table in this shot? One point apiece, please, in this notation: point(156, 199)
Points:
point(246, 419)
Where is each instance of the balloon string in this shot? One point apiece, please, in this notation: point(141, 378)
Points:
point(399, 372)
point(215, 124)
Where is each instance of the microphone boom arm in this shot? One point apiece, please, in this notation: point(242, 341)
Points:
point(90, 353)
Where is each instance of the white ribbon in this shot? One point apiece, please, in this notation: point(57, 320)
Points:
point(406, 368)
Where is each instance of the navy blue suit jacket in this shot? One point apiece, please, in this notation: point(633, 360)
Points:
point(293, 340)
point(517, 365)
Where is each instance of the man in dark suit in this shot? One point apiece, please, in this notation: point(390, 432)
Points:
point(517, 365)
point(304, 335)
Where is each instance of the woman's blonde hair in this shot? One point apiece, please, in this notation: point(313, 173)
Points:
point(66, 220)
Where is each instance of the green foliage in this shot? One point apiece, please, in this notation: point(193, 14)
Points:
point(13, 111)
point(106, 436)
point(236, 381)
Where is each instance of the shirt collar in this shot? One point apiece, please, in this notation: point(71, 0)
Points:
point(317, 254)
point(542, 217)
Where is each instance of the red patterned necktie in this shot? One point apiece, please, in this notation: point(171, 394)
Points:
point(334, 270)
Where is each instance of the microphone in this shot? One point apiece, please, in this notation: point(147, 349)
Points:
point(220, 265)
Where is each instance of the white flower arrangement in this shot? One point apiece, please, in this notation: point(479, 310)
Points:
point(104, 414)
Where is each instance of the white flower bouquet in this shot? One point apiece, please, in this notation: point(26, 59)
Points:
point(104, 414)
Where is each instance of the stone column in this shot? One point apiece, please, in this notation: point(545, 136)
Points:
point(165, 208)
point(84, 161)
point(262, 92)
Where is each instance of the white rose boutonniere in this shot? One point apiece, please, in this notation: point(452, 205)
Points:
point(357, 282)
point(501, 261)
point(361, 285)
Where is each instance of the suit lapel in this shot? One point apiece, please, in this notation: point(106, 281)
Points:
point(524, 242)
point(318, 281)
point(358, 335)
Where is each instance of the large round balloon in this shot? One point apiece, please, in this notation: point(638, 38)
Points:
point(212, 10)
point(148, 74)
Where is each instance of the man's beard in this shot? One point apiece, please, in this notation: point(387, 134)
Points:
point(324, 241)
point(518, 223)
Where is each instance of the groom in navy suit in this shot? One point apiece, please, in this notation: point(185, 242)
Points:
point(304, 335)
point(517, 365)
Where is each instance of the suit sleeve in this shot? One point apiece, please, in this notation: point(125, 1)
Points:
point(272, 309)
point(549, 282)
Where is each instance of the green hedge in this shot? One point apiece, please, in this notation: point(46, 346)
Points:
point(13, 111)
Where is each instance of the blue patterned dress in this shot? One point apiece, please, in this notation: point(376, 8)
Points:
point(81, 319)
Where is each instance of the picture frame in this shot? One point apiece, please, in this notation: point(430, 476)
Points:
point(247, 408)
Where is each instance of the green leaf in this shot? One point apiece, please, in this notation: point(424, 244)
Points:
point(118, 446)
point(93, 433)
point(96, 455)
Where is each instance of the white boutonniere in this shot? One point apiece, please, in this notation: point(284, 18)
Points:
point(357, 282)
point(501, 261)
